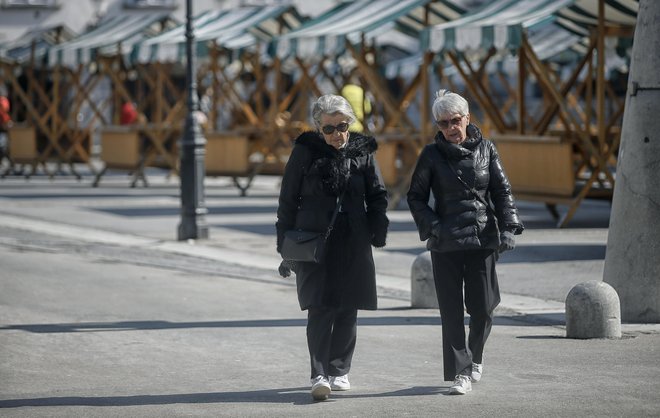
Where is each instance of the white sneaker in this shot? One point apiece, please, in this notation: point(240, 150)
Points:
point(320, 388)
point(461, 386)
point(477, 370)
point(340, 382)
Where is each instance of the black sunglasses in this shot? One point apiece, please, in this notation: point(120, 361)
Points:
point(444, 124)
point(329, 129)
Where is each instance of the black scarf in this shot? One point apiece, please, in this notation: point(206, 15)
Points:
point(459, 151)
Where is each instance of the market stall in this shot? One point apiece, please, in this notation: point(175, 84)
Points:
point(582, 125)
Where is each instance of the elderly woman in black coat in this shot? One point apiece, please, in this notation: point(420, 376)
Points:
point(465, 233)
point(323, 166)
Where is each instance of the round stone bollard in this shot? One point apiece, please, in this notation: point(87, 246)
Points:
point(422, 285)
point(593, 311)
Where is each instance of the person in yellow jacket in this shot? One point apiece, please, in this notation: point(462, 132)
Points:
point(361, 105)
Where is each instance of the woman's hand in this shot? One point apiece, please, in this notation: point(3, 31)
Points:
point(507, 243)
point(286, 267)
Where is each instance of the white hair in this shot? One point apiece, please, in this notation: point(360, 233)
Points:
point(331, 104)
point(448, 103)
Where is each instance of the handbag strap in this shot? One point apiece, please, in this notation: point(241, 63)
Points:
point(471, 189)
point(340, 199)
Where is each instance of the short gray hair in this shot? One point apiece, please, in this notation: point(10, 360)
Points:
point(331, 104)
point(448, 103)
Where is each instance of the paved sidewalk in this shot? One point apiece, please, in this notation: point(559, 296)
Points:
point(135, 323)
point(535, 278)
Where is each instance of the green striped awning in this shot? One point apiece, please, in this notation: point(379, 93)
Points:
point(548, 42)
point(35, 41)
point(232, 28)
point(107, 37)
point(398, 22)
point(501, 23)
point(583, 15)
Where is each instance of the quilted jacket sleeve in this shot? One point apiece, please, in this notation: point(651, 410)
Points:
point(419, 193)
point(290, 192)
point(376, 201)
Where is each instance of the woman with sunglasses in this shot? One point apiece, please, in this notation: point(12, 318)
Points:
point(325, 167)
point(465, 232)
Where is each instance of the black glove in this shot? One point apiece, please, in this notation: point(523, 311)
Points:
point(378, 224)
point(507, 243)
point(286, 267)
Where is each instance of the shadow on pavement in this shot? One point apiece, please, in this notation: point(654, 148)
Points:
point(175, 210)
point(290, 395)
point(537, 253)
point(514, 320)
point(541, 337)
point(554, 252)
point(296, 396)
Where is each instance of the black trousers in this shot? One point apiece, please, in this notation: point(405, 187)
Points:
point(331, 338)
point(474, 270)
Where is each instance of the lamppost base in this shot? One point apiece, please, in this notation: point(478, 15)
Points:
point(192, 230)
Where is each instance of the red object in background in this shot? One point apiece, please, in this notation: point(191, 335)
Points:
point(4, 111)
point(129, 114)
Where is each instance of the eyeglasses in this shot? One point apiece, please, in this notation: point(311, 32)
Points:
point(329, 129)
point(444, 124)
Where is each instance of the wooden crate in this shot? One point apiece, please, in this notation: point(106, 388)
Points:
point(120, 147)
point(23, 144)
point(386, 156)
point(226, 154)
point(538, 165)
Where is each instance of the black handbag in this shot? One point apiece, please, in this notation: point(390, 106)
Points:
point(306, 246)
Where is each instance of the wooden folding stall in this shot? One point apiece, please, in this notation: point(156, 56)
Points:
point(59, 90)
point(228, 51)
point(27, 84)
point(348, 45)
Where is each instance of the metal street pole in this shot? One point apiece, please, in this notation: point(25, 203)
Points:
point(192, 149)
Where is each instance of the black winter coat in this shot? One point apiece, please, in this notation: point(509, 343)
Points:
point(459, 219)
point(315, 175)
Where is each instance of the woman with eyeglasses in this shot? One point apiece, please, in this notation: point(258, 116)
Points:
point(472, 220)
point(326, 166)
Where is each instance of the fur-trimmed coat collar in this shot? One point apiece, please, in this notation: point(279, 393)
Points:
point(358, 145)
point(332, 163)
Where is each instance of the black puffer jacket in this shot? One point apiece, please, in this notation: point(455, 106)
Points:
point(315, 175)
point(459, 219)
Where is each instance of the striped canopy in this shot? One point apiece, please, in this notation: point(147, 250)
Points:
point(501, 24)
point(107, 38)
point(37, 40)
point(583, 14)
point(548, 41)
point(398, 21)
point(232, 29)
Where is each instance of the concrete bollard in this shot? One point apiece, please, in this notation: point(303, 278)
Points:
point(593, 311)
point(422, 293)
